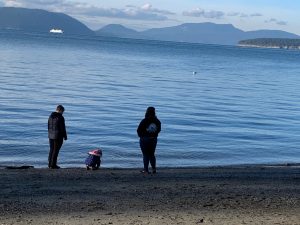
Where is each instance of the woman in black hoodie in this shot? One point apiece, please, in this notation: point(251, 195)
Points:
point(148, 130)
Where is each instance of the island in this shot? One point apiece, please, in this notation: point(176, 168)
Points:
point(282, 43)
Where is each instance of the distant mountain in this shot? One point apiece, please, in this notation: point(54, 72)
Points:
point(117, 30)
point(269, 34)
point(197, 33)
point(37, 20)
point(207, 33)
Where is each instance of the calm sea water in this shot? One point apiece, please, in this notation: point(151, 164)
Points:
point(241, 107)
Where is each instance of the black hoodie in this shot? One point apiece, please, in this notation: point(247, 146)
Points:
point(56, 126)
point(149, 127)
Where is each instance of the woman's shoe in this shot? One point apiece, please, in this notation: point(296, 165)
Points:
point(54, 167)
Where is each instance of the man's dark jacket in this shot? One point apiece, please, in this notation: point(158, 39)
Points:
point(56, 126)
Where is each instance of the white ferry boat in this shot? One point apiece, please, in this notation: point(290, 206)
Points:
point(56, 31)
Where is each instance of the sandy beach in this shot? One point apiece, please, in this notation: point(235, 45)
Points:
point(215, 195)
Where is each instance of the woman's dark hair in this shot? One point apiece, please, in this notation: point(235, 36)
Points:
point(60, 108)
point(150, 112)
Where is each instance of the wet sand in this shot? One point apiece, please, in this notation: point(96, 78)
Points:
point(215, 195)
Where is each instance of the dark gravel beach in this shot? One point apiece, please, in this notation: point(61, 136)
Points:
point(216, 195)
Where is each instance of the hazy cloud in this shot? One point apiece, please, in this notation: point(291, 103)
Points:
point(145, 12)
point(198, 12)
point(243, 15)
point(256, 15)
point(52, 5)
point(148, 8)
point(30, 3)
point(233, 14)
point(126, 13)
point(11, 3)
point(282, 23)
point(278, 22)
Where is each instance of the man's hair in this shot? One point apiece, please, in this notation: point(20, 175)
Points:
point(60, 108)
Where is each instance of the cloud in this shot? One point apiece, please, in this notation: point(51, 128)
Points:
point(256, 15)
point(126, 13)
point(243, 15)
point(148, 7)
point(198, 12)
point(233, 14)
point(282, 23)
point(278, 22)
point(30, 3)
point(145, 12)
point(39, 4)
point(11, 3)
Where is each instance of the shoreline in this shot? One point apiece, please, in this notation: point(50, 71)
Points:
point(246, 165)
point(245, 194)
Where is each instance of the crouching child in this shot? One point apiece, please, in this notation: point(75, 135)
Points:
point(93, 160)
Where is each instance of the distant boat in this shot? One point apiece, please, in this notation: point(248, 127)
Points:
point(56, 31)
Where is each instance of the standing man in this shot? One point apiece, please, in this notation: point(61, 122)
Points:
point(56, 133)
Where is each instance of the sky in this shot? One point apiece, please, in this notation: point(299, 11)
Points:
point(141, 15)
